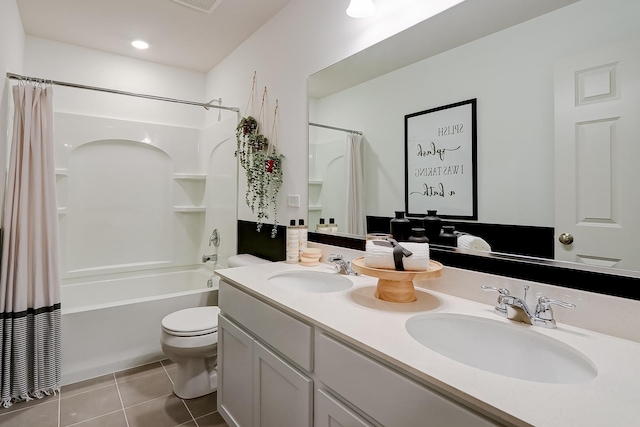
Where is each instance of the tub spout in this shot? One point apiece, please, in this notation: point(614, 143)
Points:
point(212, 257)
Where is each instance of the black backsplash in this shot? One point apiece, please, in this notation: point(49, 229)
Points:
point(625, 284)
point(260, 243)
point(510, 239)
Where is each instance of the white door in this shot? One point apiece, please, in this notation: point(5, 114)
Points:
point(597, 157)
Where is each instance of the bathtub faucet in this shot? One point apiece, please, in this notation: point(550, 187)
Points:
point(212, 257)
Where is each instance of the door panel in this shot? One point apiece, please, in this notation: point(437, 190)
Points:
point(597, 147)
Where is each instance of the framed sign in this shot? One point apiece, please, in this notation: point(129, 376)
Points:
point(440, 161)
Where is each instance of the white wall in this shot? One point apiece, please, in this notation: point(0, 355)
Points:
point(511, 75)
point(303, 38)
point(11, 59)
point(60, 61)
point(177, 130)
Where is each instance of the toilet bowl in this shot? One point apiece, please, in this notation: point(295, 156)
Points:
point(190, 339)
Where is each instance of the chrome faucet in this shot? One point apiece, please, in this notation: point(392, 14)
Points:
point(342, 266)
point(212, 257)
point(515, 308)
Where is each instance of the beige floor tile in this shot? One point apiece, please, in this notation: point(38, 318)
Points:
point(139, 371)
point(171, 371)
point(91, 404)
point(114, 419)
point(88, 385)
point(167, 363)
point(28, 404)
point(212, 420)
point(44, 415)
point(202, 405)
point(166, 411)
point(145, 388)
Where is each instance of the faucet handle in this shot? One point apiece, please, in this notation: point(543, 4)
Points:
point(500, 309)
point(502, 291)
point(544, 314)
point(335, 257)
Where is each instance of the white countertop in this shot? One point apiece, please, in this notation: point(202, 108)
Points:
point(355, 315)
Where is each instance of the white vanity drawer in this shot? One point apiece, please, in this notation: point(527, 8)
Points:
point(287, 335)
point(370, 386)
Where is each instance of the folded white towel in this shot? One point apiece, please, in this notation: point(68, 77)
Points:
point(377, 256)
point(468, 241)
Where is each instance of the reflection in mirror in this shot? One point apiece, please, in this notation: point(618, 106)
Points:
point(554, 96)
point(336, 166)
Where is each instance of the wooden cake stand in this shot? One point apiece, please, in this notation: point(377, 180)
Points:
point(393, 285)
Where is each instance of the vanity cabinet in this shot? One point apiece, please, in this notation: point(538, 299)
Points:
point(258, 386)
point(275, 370)
point(384, 394)
point(330, 412)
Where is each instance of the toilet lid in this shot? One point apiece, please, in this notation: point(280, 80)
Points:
point(192, 321)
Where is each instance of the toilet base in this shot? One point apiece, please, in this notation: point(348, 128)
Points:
point(193, 378)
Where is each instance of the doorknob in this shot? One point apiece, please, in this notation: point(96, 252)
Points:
point(566, 239)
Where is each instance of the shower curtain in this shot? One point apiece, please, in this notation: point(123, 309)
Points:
point(29, 275)
point(355, 186)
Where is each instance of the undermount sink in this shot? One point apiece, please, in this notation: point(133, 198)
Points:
point(507, 349)
point(310, 281)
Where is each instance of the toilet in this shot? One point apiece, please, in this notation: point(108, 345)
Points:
point(190, 339)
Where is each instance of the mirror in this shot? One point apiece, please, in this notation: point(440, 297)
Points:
point(510, 64)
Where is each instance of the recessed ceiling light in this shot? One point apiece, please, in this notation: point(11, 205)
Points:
point(140, 44)
point(361, 8)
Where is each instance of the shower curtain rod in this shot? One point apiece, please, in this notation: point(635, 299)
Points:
point(357, 132)
point(206, 106)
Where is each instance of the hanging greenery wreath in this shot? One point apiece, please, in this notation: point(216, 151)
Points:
point(263, 169)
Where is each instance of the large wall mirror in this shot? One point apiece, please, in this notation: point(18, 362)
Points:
point(558, 95)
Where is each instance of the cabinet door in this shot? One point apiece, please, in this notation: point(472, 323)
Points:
point(282, 396)
point(328, 412)
point(235, 378)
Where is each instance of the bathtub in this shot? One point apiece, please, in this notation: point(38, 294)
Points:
point(114, 324)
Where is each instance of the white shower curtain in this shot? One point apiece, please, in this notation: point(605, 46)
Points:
point(355, 186)
point(29, 275)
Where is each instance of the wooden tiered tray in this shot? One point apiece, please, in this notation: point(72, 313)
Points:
point(396, 286)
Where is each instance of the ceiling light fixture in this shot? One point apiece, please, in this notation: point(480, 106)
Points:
point(361, 8)
point(140, 44)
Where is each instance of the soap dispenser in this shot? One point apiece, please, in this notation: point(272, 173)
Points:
point(302, 236)
point(293, 243)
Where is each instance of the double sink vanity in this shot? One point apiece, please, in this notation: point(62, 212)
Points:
point(302, 346)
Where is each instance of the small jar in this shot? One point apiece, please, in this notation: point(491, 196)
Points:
point(432, 225)
point(448, 237)
point(417, 236)
point(400, 227)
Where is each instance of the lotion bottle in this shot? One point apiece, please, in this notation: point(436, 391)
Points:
point(302, 237)
point(293, 243)
point(333, 227)
point(322, 227)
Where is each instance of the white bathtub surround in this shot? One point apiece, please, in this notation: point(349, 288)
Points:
point(115, 323)
point(30, 279)
point(378, 328)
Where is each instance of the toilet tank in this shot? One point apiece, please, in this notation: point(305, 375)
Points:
point(242, 260)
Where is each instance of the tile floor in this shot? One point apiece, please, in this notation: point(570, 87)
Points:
point(137, 397)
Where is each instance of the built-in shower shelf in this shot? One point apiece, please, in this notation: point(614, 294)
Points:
point(315, 208)
point(315, 182)
point(62, 171)
point(189, 209)
point(62, 211)
point(190, 176)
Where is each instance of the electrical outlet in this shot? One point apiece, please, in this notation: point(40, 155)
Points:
point(293, 200)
